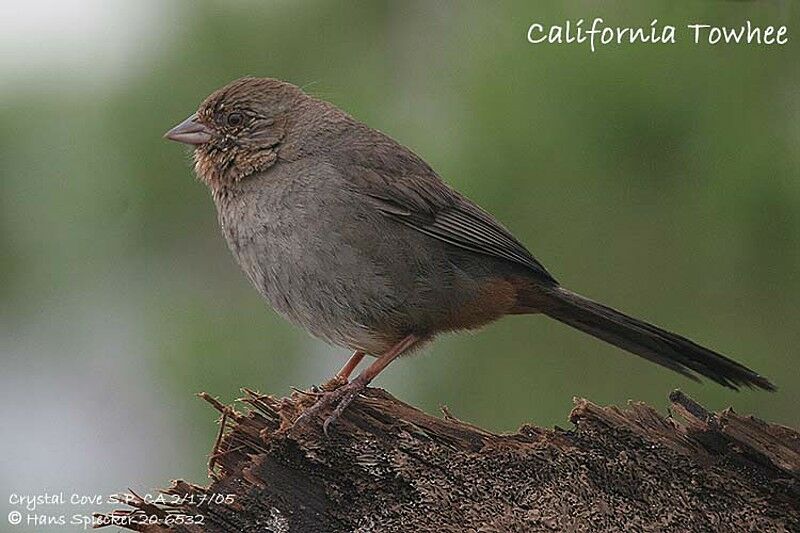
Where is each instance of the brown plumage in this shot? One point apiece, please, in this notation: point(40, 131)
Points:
point(355, 238)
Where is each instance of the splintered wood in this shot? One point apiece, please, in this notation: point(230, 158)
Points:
point(387, 467)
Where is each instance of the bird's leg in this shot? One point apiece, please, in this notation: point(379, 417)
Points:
point(341, 377)
point(350, 365)
point(345, 394)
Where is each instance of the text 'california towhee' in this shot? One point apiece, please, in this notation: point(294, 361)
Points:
point(352, 236)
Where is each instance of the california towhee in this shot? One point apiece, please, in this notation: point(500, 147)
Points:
point(355, 238)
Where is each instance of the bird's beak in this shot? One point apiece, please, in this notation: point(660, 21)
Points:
point(190, 131)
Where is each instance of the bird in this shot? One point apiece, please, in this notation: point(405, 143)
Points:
point(355, 238)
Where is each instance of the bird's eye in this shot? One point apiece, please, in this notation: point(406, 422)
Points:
point(234, 119)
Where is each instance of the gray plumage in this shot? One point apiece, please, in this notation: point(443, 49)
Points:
point(355, 238)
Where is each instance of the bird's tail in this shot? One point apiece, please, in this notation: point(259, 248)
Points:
point(646, 340)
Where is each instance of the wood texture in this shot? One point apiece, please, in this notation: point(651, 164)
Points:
point(387, 467)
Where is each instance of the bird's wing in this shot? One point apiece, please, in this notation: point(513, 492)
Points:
point(422, 201)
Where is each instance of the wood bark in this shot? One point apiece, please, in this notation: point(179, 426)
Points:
point(388, 467)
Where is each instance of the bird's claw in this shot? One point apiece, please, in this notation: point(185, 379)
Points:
point(340, 397)
point(353, 390)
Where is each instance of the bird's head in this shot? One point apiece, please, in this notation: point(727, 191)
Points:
point(238, 130)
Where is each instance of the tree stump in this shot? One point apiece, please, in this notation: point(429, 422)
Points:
point(388, 467)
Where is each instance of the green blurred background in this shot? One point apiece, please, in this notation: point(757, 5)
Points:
point(662, 180)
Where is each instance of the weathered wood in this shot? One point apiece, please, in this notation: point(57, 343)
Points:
point(387, 467)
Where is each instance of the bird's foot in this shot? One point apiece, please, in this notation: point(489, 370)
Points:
point(341, 397)
point(349, 393)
